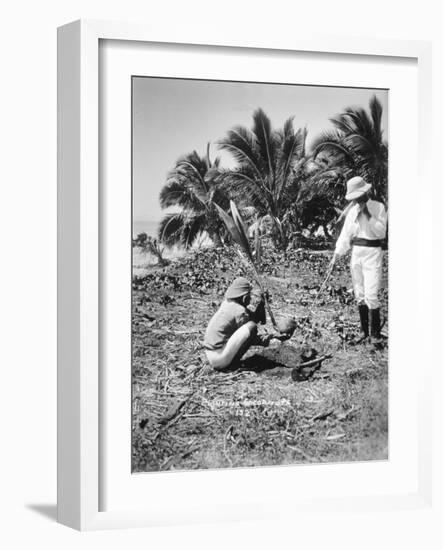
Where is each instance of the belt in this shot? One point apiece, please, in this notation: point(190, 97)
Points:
point(357, 241)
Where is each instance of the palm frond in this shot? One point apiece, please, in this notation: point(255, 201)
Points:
point(169, 229)
point(178, 192)
point(197, 163)
point(242, 144)
point(230, 224)
point(329, 138)
point(181, 228)
point(262, 129)
point(289, 152)
point(303, 136)
point(360, 144)
point(360, 122)
point(343, 124)
point(288, 127)
point(376, 113)
point(194, 226)
point(187, 170)
point(241, 182)
point(338, 147)
point(187, 183)
point(242, 230)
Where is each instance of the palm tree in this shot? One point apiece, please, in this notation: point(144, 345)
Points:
point(321, 196)
point(357, 141)
point(266, 167)
point(192, 186)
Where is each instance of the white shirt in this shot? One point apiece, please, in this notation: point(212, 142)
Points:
point(361, 226)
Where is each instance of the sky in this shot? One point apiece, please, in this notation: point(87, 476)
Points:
point(173, 117)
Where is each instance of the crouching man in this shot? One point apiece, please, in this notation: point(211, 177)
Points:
point(233, 328)
point(364, 230)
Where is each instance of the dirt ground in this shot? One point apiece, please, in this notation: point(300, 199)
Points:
point(186, 416)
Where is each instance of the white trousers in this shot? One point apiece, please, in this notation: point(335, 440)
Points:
point(222, 358)
point(366, 271)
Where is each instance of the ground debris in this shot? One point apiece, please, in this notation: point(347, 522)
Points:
point(186, 416)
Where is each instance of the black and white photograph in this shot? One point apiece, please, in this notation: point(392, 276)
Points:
point(222, 271)
point(259, 274)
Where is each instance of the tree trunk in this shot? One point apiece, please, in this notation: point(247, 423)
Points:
point(279, 236)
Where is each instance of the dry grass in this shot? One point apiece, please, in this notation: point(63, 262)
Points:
point(186, 416)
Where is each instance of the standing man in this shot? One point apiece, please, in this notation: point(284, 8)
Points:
point(364, 230)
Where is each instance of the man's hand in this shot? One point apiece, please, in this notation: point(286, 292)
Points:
point(267, 339)
point(264, 340)
point(282, 336)
point(364, 211)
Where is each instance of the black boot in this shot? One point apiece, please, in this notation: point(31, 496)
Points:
point(375, 326)
point(364, 319)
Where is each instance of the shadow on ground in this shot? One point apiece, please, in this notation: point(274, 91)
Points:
point(48, 511)
point(259, 363)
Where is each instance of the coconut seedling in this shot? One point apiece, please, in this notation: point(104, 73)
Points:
point(239, 233)
point(238, 230)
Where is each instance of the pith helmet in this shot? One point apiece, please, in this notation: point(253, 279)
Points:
point(356, 187)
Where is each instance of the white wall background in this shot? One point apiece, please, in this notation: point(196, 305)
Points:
point(28, 270)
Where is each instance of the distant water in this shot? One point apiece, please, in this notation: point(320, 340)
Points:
point(151, 229)
point(148, 227)
point(140, 260)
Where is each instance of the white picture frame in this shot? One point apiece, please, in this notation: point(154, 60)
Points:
point(79, 256)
